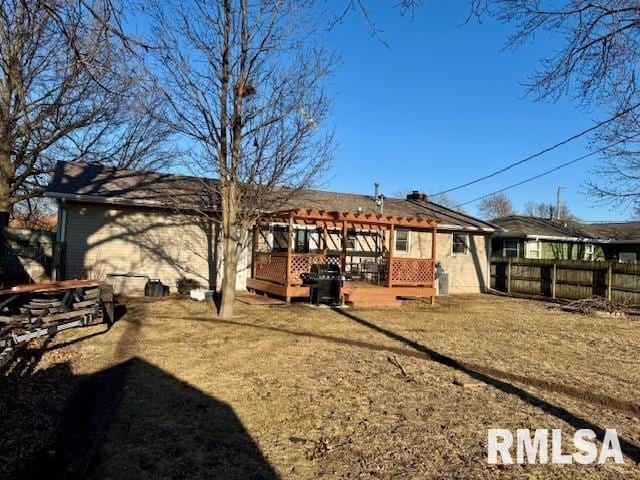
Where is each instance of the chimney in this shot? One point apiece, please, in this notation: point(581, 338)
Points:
point(376, 190)
point(417, 196)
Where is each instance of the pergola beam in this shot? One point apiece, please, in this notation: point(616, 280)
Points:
point(354, 218)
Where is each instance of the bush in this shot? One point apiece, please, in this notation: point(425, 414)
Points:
point(185, 285)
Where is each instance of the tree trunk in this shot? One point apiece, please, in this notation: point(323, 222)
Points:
point(6, 173)
point(230, 262)
point(5, 202)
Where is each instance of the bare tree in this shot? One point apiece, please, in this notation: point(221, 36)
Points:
point(548, 211)
point(496, 206)
point(243, 86)
point(64, 85)
point(596, 65)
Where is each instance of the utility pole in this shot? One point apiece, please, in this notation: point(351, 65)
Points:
point(558, 202)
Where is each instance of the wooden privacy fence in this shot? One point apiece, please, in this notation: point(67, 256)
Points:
point(570, 279)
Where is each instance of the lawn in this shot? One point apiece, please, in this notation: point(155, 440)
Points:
point(296, 392)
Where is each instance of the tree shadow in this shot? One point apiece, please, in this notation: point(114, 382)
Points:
point(630, 449)
point(135, 420)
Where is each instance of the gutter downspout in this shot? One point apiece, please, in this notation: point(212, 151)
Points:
point(61, 231)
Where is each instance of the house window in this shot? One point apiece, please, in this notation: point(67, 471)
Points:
point(511, 249)
point(302, 241)
point(533, 249)
point(589, 252)
point(460, 244)
point(351, 242)
point(627, 257)
point(402, 241)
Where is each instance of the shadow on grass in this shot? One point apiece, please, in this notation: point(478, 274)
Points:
point(134, 420)
point(631, 450)
point(422, 353)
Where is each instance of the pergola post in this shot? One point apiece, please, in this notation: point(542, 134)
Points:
point(289, 252)
point(434, 236)
point(392, 247)
point(325, 238)
point(345, 236)
point(254, 248)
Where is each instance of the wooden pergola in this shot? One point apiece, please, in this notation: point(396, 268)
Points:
point(279, 273)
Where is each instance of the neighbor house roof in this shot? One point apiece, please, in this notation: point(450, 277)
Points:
point(616, 232)
point(100, 184)
point(520, 226)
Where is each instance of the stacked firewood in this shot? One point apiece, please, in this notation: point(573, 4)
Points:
point(595, 305)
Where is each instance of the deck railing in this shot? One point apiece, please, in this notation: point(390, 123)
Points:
point(272, 266)
point(417, 272)
point(301, 263)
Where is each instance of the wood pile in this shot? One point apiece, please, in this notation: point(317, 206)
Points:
point(597, 306)
point(28, 312)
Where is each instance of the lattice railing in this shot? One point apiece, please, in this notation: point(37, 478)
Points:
point(301, 263)
point(412, 271)
point(271, 267)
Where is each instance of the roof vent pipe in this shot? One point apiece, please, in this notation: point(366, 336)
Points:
point(378, 198)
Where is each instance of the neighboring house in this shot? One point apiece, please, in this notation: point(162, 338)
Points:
point(531, 237)
point(539, 238)
point(620, 241)
point(121, 221)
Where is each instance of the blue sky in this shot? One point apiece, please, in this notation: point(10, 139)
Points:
point(444, 105)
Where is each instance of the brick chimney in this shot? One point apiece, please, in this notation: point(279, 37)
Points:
point(417, 196)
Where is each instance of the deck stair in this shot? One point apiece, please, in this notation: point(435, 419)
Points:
point(370, 297)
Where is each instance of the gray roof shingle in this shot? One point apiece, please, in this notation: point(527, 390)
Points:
point(522, 226)
point(98, 183)
point(623, 232)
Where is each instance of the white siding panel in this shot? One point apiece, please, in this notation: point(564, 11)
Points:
point(104, 239)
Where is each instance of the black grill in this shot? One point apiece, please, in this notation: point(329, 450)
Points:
point(325, 284)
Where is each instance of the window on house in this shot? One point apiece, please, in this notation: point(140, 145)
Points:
point(351, 242)
point(301, 241)
point(510, 249)
point(533, 249)
point(589, 252)
point(402, 241)
point(627, 257)
point(460, 244)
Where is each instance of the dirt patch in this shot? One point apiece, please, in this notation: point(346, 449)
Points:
point(293, 392)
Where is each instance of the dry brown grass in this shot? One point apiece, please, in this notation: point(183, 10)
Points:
point(299, 392)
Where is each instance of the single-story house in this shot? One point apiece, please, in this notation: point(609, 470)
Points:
point(531, 237)
point(540, 238)
point(620, 241)
point(119, 223)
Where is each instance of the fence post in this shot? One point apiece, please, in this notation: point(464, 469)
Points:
point(509, 276)
point(554, 273)
point(609, 280)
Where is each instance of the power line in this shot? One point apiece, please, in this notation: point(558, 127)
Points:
point(575, 160)
point(542, 152)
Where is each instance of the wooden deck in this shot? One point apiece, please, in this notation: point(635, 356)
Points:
point(356, 294)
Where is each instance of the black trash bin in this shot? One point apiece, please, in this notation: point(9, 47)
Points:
point(155, 288)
